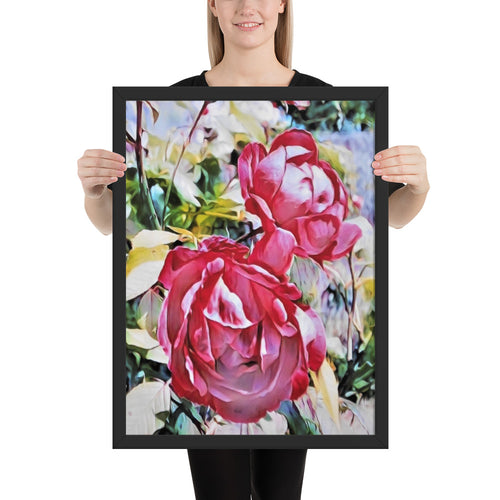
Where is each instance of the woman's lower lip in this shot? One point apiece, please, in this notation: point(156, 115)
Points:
point(244, 28)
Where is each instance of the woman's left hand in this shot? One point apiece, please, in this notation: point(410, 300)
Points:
point(403, 164)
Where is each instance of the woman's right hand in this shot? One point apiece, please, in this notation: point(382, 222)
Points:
point(97, 168)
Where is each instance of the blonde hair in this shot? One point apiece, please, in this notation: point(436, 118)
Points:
point(283, 37)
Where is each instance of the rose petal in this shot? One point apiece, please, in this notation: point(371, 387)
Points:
point(315, 233)
point(323, 190)
point(249, 158)
point(225, 307)
point(256, 205)
point(313, 334)
point(295, 195)
point(346, 238)
point(274, 251)
point(268, 174)
point(340, 195)
point(297, 137)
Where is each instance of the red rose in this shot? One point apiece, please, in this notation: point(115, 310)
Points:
point(235, 338)
point(299, 198)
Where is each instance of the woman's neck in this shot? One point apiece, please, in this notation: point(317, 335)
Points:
point(253, 68)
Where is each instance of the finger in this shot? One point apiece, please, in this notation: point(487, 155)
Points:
point(405, 178)
point(94, 162)
point(409, 159)
point(397, 170)
point(103, 153)
point(100, 172)
point(396, 150)
point(96, 181)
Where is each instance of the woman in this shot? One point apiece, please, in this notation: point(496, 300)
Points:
point(250, 44)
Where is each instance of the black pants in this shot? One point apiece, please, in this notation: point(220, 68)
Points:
point(234, 474)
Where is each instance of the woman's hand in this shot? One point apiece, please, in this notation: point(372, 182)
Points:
point(403, 164)
point(97, 168)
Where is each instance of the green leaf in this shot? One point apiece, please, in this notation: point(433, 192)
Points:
point(295, 421)
point(158, 197)
point(211, 171)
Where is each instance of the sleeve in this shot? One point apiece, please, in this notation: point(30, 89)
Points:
point(395, 185)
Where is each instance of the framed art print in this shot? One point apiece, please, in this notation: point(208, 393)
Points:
point(250, 268)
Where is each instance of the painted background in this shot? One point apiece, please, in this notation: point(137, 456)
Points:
point(250, 290)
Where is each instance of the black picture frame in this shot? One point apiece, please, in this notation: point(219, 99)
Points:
point(377, 440)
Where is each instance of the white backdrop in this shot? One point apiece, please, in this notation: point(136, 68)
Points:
point(60, 61)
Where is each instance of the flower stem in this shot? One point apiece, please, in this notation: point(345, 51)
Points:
point(252, 233)
point(143, 181)
point(351, 312)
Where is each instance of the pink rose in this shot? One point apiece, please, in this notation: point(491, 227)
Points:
point(235, 338)
point(300, 199)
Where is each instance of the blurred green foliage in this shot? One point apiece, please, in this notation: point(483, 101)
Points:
point(334, 115)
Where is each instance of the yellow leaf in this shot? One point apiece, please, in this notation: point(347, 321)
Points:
point(158, 354)
point(327, 152)
point(143, 268)
point(326, 384)
point(368, 287)
point(173, 154)
point(186, 235)
point(141, 255)
point(240, 137)
point(152, 238)
point(193, 158)
point(140, 338)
